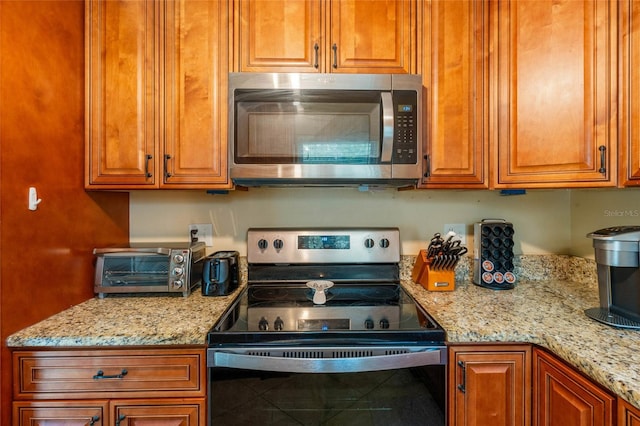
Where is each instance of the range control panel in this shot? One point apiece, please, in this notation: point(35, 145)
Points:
point(323, 245)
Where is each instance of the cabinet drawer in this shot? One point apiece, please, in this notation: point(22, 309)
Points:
point(109, 373)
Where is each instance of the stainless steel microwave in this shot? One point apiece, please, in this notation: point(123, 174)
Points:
point(325, 129)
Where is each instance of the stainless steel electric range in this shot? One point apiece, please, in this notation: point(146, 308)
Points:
point(323, 301)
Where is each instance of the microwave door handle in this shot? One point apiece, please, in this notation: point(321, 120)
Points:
point(387, 127)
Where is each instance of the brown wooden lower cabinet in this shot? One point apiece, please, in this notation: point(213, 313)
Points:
point(628, 415)
point(489, 385)
point(562, 396)
point(163, 387)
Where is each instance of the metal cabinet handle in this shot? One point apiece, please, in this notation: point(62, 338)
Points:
point(602, 150)
point(316, 48)
point(100, 375)
point(167, 174)
point(94, 420)
point(335, 55)
point(121, 417)
point(148, 158)
point(462, 386)
point(427, 161)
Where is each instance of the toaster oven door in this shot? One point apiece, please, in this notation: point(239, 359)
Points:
point(123, 272)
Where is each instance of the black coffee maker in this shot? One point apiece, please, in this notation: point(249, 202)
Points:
point(220, 274)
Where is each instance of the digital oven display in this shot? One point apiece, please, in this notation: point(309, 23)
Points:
point(324, 242)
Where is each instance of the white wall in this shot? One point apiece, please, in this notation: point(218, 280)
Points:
point(542, 219)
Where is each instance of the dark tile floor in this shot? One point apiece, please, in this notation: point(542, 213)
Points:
point(397, 397)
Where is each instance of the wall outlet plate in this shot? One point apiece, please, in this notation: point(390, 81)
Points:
point(460, 229)
point(201, 232)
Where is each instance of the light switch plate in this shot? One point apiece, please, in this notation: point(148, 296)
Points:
point(201, 232)
point(459, 229)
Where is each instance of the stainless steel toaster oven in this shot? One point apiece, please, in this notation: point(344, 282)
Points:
point(169, 268)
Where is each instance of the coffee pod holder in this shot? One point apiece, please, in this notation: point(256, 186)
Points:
point(493, 254)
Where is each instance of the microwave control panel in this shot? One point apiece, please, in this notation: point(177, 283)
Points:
point(405, 140)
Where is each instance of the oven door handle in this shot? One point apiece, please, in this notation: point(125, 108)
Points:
point(428, 356)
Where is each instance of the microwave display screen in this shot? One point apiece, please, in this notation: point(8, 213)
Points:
point(324, 242)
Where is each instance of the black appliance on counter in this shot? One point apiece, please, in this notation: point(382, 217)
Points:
point(322, 305)
point(617, 253)
point(220, 274)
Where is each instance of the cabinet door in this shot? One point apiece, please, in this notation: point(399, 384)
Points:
point(122, 84)
point(456, 75)
point(489, 385)
point(630, 108)
point(627, 414)
point(564, 397)
point(85, 413)
point(555, 80)
point(278, 36)
point(371, 36)
point(195, 120)
point(189, 412)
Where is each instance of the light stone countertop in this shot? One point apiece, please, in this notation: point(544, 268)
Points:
point(547, 312)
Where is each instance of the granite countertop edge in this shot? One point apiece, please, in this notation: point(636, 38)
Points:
point(546, 312)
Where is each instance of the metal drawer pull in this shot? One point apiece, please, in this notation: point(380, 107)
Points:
point(94, 420)
point(167, 173)
point(100, 375)
point(335, 55)
point(315, 62)
point(148, 158)
point(463, 385)
point(603, 168)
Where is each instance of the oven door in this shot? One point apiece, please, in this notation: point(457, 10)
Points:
point(352, 386)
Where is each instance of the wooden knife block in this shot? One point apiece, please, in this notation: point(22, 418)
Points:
point(432, 280)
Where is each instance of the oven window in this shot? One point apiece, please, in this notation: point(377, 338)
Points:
point(149, 270)
point(307, 127)
point(395, 397)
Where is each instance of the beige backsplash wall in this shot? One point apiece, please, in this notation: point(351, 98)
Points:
point(542, 218)
point(593, 209)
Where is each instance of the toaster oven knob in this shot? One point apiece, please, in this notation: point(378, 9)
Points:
point(177, 284)
point(369, 243)
point(178, 258)
point(177, 271)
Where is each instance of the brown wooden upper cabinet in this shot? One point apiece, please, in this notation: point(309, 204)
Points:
point(322, 36)
point(456, 72)
point(630, 108)
point(156, 79)
point(553, 68)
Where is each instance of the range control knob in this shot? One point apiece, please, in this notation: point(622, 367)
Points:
point(384, 243)
point(278, 244)
point(278, 324)
point(368, 324)
point(369, 243)
point(384, 323)
point(263, 244)
point(263, 324)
